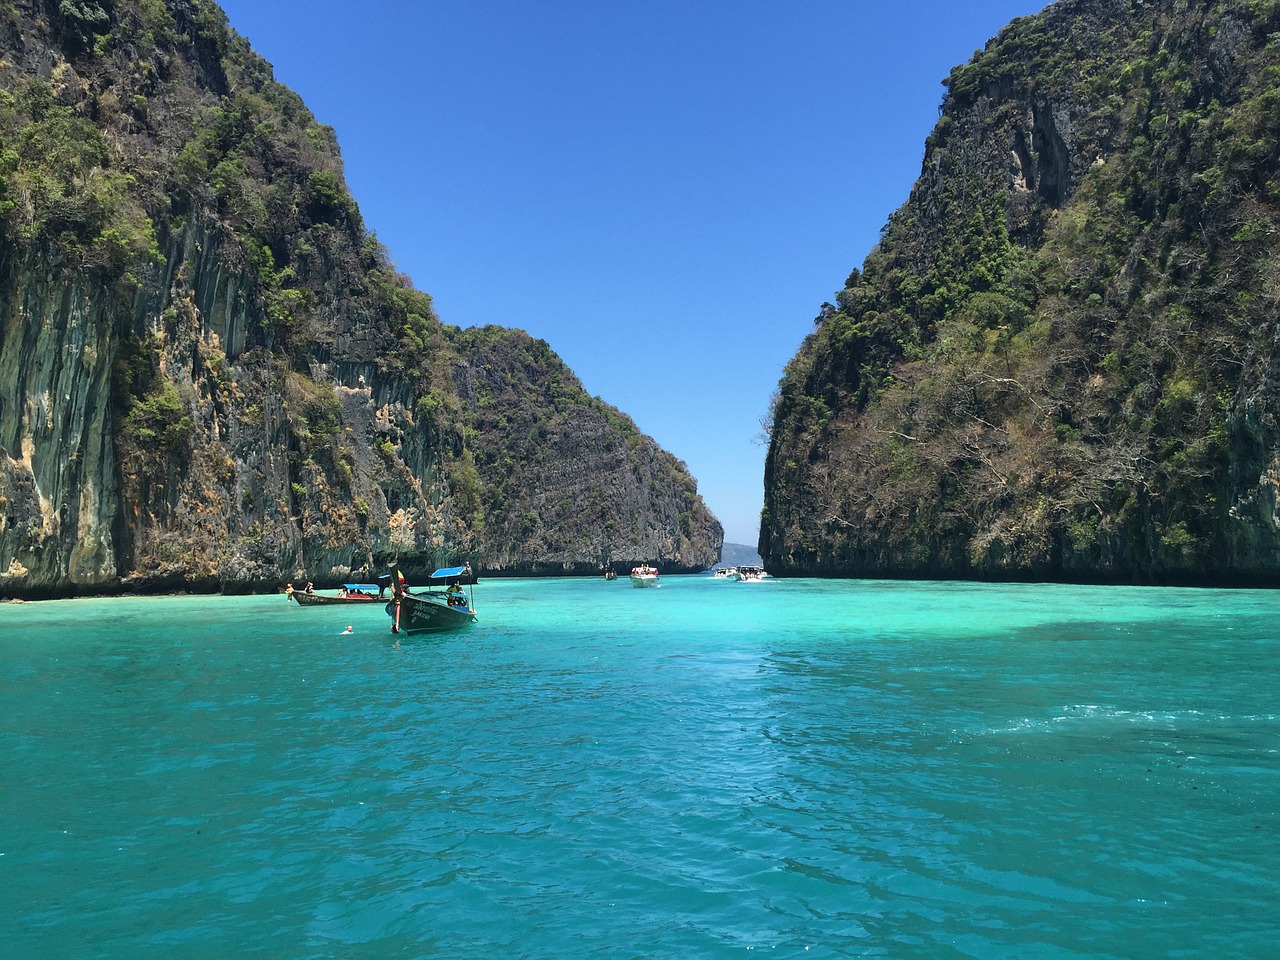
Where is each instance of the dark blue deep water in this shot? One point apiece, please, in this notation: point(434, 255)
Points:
point(710, 769)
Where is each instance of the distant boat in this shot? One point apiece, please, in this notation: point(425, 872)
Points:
point(348, 593)
point(725, 573)
point(610, 575)
point(441, 606)
point(644, 576)
point(751, 574)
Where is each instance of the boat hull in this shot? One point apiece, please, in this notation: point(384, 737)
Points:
point(418, 614)
point(644, 581)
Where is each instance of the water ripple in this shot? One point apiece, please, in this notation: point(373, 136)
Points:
point(813, 770)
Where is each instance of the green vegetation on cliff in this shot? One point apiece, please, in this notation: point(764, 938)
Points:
point(1058, 361)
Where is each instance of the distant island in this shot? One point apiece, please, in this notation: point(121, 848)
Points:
point(737, 555)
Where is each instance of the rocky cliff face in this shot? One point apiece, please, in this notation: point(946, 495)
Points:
point(213, 378)
point(1061, 360)
point(590, 492)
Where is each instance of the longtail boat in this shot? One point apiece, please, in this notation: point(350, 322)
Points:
point(439, 605)
point(349, 593)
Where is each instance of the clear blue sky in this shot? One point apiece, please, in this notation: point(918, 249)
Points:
point(665, 191)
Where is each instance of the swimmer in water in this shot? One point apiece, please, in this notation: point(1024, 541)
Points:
point(348, 630)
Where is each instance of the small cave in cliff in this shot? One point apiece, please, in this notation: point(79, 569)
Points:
point(1052, 159)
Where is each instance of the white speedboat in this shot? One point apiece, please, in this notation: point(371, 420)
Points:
point(725, 573)
point(751, 574)
point(644, 576)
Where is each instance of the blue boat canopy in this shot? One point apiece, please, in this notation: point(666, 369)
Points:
point(361, 586)
point(449, 572)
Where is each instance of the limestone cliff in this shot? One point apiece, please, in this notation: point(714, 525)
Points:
point(1060, 362)
point(590, 491)
point(213, 378)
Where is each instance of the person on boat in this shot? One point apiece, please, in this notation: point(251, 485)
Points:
point(398, 590)
point(456, 597)
point(311, 587)
point(342, 590)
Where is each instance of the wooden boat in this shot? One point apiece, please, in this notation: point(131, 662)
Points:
point(644, 576)
point(439, 606)
point(350, 593)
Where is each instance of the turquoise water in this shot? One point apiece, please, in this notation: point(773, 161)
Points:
point(793, 768)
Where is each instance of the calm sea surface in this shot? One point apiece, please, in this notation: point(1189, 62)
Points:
point(791, 769)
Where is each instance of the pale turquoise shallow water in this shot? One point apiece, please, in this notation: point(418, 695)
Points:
point(791, 769)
